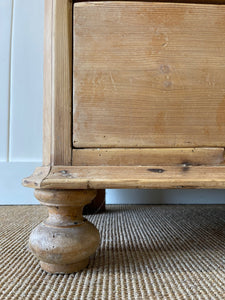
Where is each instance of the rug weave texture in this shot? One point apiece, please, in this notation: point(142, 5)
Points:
point(146, 252)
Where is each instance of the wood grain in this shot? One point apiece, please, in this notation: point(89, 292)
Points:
point(146, 177)
point(144, 156)
point(148, 75)
point(175, 1)
point(37, 177)
point(57, 145)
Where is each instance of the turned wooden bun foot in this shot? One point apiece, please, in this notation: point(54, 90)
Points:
point(64, 269)
point(65, 240)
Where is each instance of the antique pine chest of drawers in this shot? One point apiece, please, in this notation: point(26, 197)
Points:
point(134, 97)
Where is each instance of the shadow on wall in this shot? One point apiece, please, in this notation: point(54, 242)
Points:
point(173, 196)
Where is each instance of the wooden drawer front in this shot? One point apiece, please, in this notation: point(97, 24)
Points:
point(149, 75)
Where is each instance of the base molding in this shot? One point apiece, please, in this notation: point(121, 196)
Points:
point(183, 176)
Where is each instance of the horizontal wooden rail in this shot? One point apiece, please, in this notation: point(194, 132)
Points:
point(143, 157)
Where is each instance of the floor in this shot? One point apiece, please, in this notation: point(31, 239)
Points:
point(146, 252)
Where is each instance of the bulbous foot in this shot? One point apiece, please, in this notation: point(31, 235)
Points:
point(65, 240)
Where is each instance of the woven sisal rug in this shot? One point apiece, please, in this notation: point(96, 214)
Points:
point(146, 252)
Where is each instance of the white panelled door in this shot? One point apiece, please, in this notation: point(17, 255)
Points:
point(21, 69)
point(5, 51)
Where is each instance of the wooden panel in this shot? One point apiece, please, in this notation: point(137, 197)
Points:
point(149, 75)
point(57, 83)
point(176, 1)
point(99, 177)
point(145, 157)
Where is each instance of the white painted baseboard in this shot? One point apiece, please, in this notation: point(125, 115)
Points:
point(13, 193)
point(178, 196)
point(11, 190)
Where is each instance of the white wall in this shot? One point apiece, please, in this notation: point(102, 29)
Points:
point(21, 59)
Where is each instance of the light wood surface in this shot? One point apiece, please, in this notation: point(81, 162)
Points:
point(98, 177)
point(65, 240)
point(149, 83)
point(144, 157)
point(57, 144)
point(175, 1)
point(148, 75)
point(38, 175)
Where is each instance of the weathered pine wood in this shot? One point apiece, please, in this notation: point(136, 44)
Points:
point(57, 145)
point(148, 75)
point(175, 1)
point(65, 240)
point(38, 176)
point(144, 156)
point(98, 177)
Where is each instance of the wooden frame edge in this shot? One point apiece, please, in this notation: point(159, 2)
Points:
point(38, 176)
point(57, 117)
